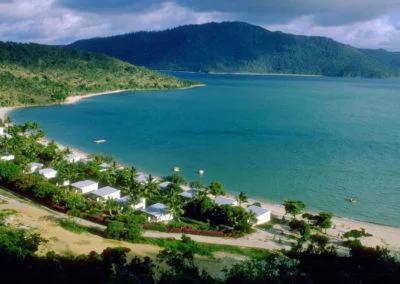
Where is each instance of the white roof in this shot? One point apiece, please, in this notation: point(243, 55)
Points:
point(105, 191)
point(258, 211)
point(34, 164)
point(164, 184)
point(83, 183)
point(71, 156)
point(105, 165)
point(220, 200)
point(189, 193)
point(123, 199)
point(142, 178)
point(156, 209)
point(47, 171)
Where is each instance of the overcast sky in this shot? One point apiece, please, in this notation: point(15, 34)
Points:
point(361, 23)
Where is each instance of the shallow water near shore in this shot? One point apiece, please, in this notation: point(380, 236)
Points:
point(320, 140)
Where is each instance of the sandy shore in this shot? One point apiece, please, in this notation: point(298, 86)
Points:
point(382, 235)
point(4, 111)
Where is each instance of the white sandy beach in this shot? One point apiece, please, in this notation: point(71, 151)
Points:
point(382, 235)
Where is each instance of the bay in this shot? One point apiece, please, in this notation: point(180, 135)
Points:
point(316, 139)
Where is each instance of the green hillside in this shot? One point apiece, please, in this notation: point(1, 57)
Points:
point(238, 47)
point(40, 74)
point(387, 57)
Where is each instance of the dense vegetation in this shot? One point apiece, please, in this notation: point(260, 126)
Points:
point(39, 74)
point(238, 47)
point(390, 58)
point(19, 263)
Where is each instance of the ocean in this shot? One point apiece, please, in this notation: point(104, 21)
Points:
point(315, 139)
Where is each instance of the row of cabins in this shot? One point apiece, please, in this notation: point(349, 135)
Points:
point(157, 212)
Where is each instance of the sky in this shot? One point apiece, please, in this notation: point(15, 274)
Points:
point(360, 23)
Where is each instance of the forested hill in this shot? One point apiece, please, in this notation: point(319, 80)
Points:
point(39, 74)
point(390, 58)
point(238, 47)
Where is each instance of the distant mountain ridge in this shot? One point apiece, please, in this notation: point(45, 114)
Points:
point(41, 74)
point(239, 47)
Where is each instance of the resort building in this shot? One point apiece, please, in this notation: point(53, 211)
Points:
point(189, 194)
point(48, 173)
point(164, 185)
point(158, 213)
point(106, 192)
point(262, 215)
point(85, 186)
point(142, 178)
point(86, 160)
point(33, 167)
point(7, 157)
point(104, 167)
point(71, 158)
point(221, 200)
point(138, 206)
point(4, 134)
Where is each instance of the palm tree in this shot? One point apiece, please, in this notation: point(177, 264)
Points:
point(241, 197)
point(111, 205)
point(150, 187)
point(174, 202)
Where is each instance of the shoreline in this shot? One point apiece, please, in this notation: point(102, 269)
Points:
point(245, 73)
point(383, 235)
point(4, 111)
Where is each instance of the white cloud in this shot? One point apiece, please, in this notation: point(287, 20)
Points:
point(362, 23)
point(376, 33)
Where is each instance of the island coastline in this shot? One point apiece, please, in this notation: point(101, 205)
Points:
point(383, 235)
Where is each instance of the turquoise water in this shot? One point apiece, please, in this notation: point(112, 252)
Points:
point(319, 140)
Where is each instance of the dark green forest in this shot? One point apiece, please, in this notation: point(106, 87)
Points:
point(239, 47)
point(390, 58)
point(40, 74)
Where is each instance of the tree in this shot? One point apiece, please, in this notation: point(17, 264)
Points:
point(134, 232)
point(18, 243)
point(217, 188)
point(275, 268)
point(115, 230)
point(324, 220)
point(241, 197)
point(293, 207)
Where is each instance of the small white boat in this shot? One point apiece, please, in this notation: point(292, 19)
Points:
point(201, 172)
point(352, 200)
point(100, 141)
point(177, 169)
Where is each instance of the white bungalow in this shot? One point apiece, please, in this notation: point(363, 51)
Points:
point(262, 215)
point(104, 167)
point(142, 178)
point(33, 167)
point(164, 185)
point(189, 194)
point(71, 158)
point(7, 157)
point(221, 200)
point(158, 213)
point(107, 192)
point(86, 160)
point(4, 134)
point(85, 186)
point(138, 206)
point(48, 173)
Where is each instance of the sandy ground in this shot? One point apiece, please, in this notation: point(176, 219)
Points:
point(43, 221)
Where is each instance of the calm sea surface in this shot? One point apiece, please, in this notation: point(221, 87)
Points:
point(319, 140)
